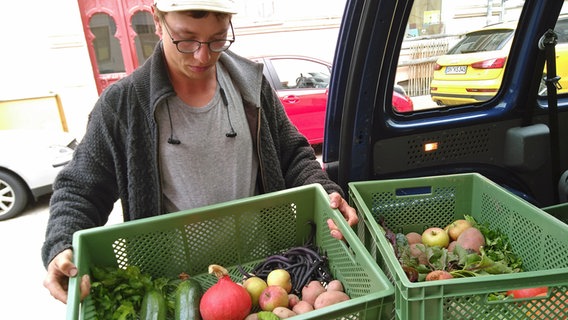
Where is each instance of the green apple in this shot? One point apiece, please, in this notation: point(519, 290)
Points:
point(455, 228)
point(280, 277)
point(435, 237)
point(255, 286)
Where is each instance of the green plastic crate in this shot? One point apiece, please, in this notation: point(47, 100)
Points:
point(418, 203)
point(559, 211)
point(241, 232)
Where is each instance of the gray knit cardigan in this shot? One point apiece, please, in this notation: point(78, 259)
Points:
point(118, 156)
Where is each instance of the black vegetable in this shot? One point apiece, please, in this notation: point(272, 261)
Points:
point(304, 263)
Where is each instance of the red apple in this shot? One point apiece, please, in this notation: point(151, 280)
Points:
point(435, 237)
point(272, 297)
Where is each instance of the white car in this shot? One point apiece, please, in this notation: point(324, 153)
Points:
point(30, 161)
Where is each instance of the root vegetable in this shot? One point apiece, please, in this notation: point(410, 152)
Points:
point(311, 291)
point(329, 298)
point(335, 285)
point(452, 246)
point(418, 250)
point(438, 275)
point(302, 307)
point(283, 313)
point(414, 237)
point(292, 300)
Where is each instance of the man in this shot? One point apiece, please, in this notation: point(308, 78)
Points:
point(195, 125)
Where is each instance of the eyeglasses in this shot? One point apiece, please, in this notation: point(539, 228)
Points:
point(192, 46)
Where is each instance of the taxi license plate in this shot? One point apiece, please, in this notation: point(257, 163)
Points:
point(456, 69)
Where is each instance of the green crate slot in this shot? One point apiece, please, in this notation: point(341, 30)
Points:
point(415, 204)
point(241, 232)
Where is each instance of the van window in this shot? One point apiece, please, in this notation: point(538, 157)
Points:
point(456, 53)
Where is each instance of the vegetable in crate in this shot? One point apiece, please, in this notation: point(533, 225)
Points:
point(303, 263)
point(476, 250)
point(187, 299)
point(153, 306)
point(225, 300)
point(117, 293)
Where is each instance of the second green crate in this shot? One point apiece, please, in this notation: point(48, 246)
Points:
point(418, 203)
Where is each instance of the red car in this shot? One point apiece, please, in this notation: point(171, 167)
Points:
point(302, 85)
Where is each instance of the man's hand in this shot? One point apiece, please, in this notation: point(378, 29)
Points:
point(59, 270)
point(348, 212)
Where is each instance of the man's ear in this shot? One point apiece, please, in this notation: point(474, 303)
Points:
point(157, 22)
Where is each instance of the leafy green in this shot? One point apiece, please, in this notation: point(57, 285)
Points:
point(267, 315)
point(117, 293)
point(496, 257)
point(497, 246)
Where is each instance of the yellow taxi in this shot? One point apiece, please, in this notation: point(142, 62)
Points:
point(472, 70)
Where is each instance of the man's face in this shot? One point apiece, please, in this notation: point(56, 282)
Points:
point(181, 26)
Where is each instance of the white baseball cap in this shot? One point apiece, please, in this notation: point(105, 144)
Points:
point(226, 6)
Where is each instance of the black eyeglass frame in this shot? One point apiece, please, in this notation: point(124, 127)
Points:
point(199, 43)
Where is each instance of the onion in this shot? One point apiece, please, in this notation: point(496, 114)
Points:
point(225, 300)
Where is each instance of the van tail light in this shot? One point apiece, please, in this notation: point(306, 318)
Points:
point(437, 67)
point(496, 63)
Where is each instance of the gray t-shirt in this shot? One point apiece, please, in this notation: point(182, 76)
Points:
point(206, 167)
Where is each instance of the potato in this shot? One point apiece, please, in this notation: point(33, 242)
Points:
point(283, 313)
point(252, 316)
point(302, 307)
point(311, 291)
point(330, 297)
point(335, 285)
point(292, 300)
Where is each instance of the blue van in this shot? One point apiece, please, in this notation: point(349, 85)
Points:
point(517, 138)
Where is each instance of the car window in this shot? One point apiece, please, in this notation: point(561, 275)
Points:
point(455, 54)
point(299, 74)
point(562, 30)
point(482, 41)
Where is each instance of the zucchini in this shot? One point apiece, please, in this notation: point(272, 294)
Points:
point(188, 295)
point(153, 306)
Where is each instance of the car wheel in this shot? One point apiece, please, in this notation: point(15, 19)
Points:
point(13, 196)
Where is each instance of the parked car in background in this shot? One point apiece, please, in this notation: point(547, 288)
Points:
point(302, 84)
point(30, 161)
point(472, 70)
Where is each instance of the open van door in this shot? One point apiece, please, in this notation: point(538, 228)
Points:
point(497, 123)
